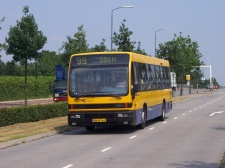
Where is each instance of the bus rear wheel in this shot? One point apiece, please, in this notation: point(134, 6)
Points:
point(143, 119)
point(163, 116)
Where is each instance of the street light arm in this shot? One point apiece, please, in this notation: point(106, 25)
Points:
point(162, 29)
point(123, 7)
point(155, 36)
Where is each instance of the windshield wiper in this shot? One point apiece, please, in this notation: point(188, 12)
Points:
point(111, 94)
point(114, 95)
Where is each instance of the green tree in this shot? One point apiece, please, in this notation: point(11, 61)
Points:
point(100, 47)
point(2, 20)
point(75, 45)
point(2, 45)
point(183, 55)
point(13, 69)
point(139, 50)
point(122, 39)
point(2, 67)
point(25, 41)
point(45, 66)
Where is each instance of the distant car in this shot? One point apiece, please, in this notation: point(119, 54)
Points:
point(209, 87)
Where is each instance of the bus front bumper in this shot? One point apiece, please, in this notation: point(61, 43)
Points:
point(102, 118)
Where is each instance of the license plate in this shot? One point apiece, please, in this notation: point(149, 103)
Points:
point(99, 120)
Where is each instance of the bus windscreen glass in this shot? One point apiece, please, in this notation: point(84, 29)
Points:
point(99, 75)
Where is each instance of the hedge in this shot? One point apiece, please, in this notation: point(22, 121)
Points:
point(23, 114)
point(12, 87)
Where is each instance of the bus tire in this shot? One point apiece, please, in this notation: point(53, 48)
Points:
point(90, 128)
point(163, 116)
point(143, 119)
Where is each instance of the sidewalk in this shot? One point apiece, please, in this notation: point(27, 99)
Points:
point(22, 102)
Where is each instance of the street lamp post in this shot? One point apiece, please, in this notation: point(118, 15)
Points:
point(155, 36)
point(112, 22)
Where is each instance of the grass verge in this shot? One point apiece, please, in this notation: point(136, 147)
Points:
point(22, 130)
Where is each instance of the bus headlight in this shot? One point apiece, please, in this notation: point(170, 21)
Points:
point(75, 116)
point(122, 115)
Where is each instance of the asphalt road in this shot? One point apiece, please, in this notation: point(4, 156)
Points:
point(192, 136)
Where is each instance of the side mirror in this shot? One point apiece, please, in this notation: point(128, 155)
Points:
point(136, 87)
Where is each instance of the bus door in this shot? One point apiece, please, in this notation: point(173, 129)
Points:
point(135, 90)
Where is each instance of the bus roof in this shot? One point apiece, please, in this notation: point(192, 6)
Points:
point(134, 57)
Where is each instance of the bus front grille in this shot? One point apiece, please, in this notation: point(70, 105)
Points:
point(100, 106)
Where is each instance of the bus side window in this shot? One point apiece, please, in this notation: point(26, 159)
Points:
point(143, 76)
point(153, 78)
point(149, 78)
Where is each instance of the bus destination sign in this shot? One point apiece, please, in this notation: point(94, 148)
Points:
point(100, 59)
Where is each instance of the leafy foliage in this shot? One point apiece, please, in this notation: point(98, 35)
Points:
point(38, 87)
point(25, 42)
point(75, 45)
point(182, 53)
point(100, 47)
point(139, 50)
point(122, 39)
point(45, 66)
point(22, 114)
point(2, 45)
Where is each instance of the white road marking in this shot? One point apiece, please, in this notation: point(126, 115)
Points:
point(151, 128)
point(68, 166)
point(133, 137)
point(218, 112)
point(106, 149)
point(175, 118)
point(183, 114)
point(164, 122)
point(190, 111)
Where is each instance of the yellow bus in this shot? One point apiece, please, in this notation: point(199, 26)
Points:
point(117, 88)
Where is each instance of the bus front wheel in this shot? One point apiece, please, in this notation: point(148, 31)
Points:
point(143, 119)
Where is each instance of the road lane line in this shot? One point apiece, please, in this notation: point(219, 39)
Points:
point(133, 137)
point(68, 166)
point(218, 112)
point(164, 122)
point(190, 111)
point(175, 118)
point(183, 114)
point(151, 128)
point(106, 149)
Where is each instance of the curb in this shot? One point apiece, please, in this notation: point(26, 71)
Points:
point(19, 141)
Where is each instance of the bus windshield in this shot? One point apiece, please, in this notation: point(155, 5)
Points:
point(110, 80)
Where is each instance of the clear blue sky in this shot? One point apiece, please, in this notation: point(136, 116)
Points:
point(202, 20)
